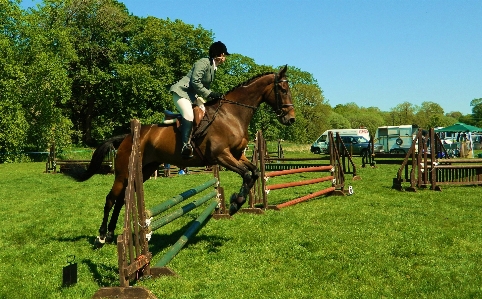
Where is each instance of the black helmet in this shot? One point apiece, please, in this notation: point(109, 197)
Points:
point(217, 49)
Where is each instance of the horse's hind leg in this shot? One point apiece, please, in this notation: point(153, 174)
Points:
point(109, 202)
point(114, 198)
point(113, 219)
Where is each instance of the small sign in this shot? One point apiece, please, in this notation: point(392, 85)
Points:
point(70, 272)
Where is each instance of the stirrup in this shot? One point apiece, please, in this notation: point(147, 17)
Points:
point(186, 151)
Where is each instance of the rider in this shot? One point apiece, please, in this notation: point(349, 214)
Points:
point(193, 88)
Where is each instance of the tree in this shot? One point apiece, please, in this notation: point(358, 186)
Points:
point(236, 70)
point(118, 66)
point(312, 110)
point(454, 114)
point(429, 115)
point(338, 121)
point(13, 125)
point(370, 118)
point(476, 111)
point(99, 33)
point(360, 117)
point(312, 113)
point(33, 84)
point(403, 114)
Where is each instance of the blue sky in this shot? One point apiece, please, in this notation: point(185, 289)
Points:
point(371, 52)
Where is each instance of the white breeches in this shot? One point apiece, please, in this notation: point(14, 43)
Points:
point(184, 106)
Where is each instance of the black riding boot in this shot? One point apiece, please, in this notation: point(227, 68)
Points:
point(186, 128)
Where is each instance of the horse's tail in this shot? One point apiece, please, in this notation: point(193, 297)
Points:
point(98, 157)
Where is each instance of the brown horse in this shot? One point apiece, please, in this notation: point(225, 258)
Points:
point(222, 142)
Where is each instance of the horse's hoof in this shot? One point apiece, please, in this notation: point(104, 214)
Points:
point(109, 238)
point(233, 208)
point(99, 243)
point(236, 203)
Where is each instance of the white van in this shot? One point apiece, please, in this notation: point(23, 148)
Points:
point(321, 143)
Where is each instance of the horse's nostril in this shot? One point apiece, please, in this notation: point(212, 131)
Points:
point(292, 120)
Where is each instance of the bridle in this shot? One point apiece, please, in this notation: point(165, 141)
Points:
point(279, 104)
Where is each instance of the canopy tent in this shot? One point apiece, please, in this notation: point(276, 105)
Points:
point(460, 127)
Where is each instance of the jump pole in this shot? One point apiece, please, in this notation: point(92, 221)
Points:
point(156, 210)
point(299, 170)
point(158, 223)
point(301, 183)
point(306, 197)
point(191, 231)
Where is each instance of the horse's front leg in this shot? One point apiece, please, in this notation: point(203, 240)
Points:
point(248, 172)
point(249, 178)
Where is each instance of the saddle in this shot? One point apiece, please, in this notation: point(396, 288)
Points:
point(175, 118)
point(200, 124)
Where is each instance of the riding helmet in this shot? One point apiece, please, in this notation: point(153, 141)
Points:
point(216, 49)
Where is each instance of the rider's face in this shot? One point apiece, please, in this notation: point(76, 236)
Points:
point(220, 59)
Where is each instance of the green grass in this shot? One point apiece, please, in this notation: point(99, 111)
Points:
point(377, 243)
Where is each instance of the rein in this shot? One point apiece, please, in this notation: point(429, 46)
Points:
point(236, 103)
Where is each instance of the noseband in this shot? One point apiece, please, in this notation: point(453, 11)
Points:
point(279, 103)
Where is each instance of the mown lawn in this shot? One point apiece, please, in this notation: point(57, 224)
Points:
point(376, 243)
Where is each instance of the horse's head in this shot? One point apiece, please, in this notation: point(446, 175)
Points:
point(280, 98)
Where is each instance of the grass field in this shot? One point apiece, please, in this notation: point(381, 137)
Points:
point(377, 243)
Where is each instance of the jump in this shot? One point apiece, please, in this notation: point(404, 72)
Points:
point(220, 138)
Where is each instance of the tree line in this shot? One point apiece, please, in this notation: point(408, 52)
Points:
point(77, 71)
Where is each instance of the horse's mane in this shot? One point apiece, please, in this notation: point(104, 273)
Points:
point(245, 83)
point(249, 81)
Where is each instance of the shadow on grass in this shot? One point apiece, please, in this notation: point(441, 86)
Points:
point(159, 242)
point(90, 240)
point(104, 276)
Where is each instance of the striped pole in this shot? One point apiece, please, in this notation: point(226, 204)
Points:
point(181, 211)
point(192, 230)
point(306, 197)
point(300, 183)
point(299, 170)
point(179, 198)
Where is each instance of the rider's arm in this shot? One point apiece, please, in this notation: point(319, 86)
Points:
point(202, 71)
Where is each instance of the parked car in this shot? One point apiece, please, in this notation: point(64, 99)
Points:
point(321, 143)
point(359, 145)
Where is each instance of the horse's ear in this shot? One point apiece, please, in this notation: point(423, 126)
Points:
point(282, 71)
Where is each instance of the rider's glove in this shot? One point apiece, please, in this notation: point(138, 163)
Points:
point(215, 95)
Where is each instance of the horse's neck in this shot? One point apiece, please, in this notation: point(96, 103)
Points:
point(232, 109)
point(243, 101)
point(251, 94)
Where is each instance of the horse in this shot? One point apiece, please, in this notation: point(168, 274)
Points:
point(222, 141)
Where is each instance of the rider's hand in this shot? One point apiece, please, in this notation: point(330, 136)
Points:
point(215, 95)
